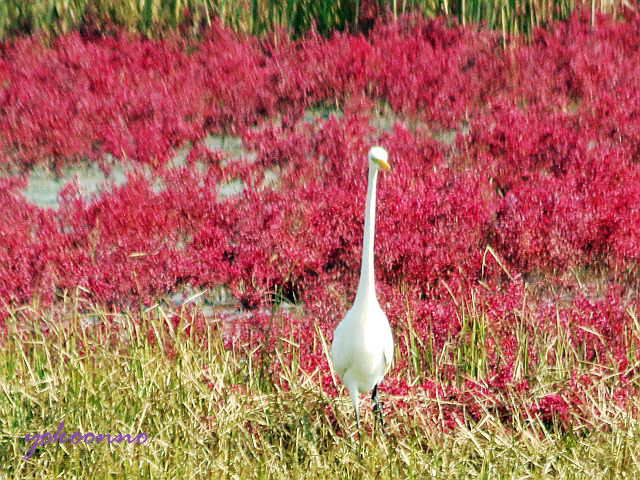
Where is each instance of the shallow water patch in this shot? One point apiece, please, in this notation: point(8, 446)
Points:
point(44, 187)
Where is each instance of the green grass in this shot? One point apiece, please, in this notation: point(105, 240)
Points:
point(244, 425)
point(260, 16)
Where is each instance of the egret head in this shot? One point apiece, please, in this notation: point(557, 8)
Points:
point(379, 158)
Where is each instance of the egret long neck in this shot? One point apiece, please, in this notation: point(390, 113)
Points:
point(366, 287)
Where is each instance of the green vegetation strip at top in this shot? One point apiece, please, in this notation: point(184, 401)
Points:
point(152, 17)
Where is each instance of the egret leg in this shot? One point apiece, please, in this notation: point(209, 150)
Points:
point(354, 394)
point(357, 440)
point(377, 407)
point(358, 431)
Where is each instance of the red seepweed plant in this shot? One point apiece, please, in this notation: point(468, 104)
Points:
point(512, 212)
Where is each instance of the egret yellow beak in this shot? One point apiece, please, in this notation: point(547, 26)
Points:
point(384, 165)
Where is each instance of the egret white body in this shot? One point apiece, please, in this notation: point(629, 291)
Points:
point(362, 348)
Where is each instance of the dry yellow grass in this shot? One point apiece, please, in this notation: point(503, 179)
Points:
point(239, 424)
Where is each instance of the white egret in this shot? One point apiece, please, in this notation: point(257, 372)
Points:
point(362, 347)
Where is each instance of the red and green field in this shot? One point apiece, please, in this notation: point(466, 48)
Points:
point(193, 294)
